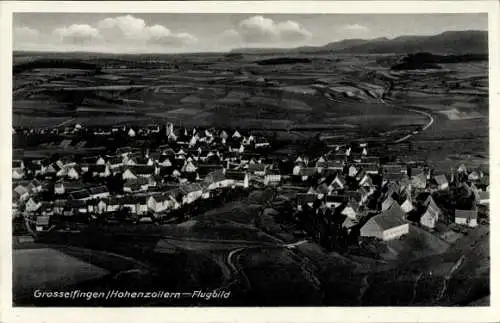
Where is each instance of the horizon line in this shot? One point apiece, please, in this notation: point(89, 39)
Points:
point(241, 47)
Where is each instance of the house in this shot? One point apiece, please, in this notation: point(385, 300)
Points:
point(407, 205)
point(261, 143)
point(100, 170)
point(387, 225)
point(394, 169)
point(306, 173)
point(236, 135)
point(387, 203)
point(114, 161)
point(135, 171)
point(216, 179)
point(272, 177)
point(164, 161)
point(257, 169)
point(338, 183)
point(462, 169)
point(334, 201)
point(419, 180)
point(99, 192)
point(366, 181)
point(483, 198)
point(305, 199)
point(131, 133)
point(163, 202)
point(474, 176)
point(136, 204)
point(191, 192)
point(22, 192)
point(18, 164)
point(42, 223)
point(33, 204)
point(369, 168)
point(351, 209)
point(238, 178)
point(466, 217)
point(188, 167)
point(441, 182)
point(432, 213)
point(136, 185)
point(17, 173)
point(80, 195)
point(353, 171)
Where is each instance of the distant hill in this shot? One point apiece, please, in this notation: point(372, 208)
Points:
point(449, 42)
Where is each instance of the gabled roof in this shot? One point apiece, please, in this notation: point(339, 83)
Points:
point(390, 218)
point(272, 171)
point(440, 179)
point(307, 171)
point(81, 194)
point(16, 163)
point(215, 176)
point(305, 198)
point(191, 187)
point(98, 190)
point(234, 175)
point(142, 169)
point(256, 167)
point(337, 198)
point(466, 214)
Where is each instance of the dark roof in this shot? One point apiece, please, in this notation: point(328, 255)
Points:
point(256, 167)
point(16, 163)
point(273, 171)
point(305, 198)
point(141, 169)
point(98, 190)
point(390, 218)
point(215, 176)
point(337, 198)
point(308, 171)
point(81, 194)
point(96, 168)
point(188, 188)
point(238, 176)
point(138, 181)
point(466, 214)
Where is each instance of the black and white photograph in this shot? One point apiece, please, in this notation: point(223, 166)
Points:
point(250, 159)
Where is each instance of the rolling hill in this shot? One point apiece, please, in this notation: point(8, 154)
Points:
point(449, 42)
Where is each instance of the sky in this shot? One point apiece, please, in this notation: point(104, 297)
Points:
point(186, 32)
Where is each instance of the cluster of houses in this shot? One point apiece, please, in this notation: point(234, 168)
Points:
point(190, 166)
point(381, 200)
point(347, 182)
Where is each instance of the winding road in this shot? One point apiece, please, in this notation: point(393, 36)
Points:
point(408, 136)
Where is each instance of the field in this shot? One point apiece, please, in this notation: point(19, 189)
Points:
point(439, 116)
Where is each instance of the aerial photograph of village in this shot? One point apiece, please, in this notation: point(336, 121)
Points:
point(250, 159)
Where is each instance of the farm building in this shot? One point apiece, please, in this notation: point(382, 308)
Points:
point(272, 177)
point(238, 178)
point(466, 217)
point(305, 199)
point(432, 213)
point(387, 225)
point(441, 182)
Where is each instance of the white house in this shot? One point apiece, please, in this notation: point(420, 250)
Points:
point(466, 217)
point(131, 132)
point(273, 177)
point(191, 192)
point(238, 178)
point(99, 192)
point(387, 225)
point(432, 213)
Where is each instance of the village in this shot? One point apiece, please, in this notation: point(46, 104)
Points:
point(337, 197)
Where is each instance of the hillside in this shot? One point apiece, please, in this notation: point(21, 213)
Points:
point(449, 42)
